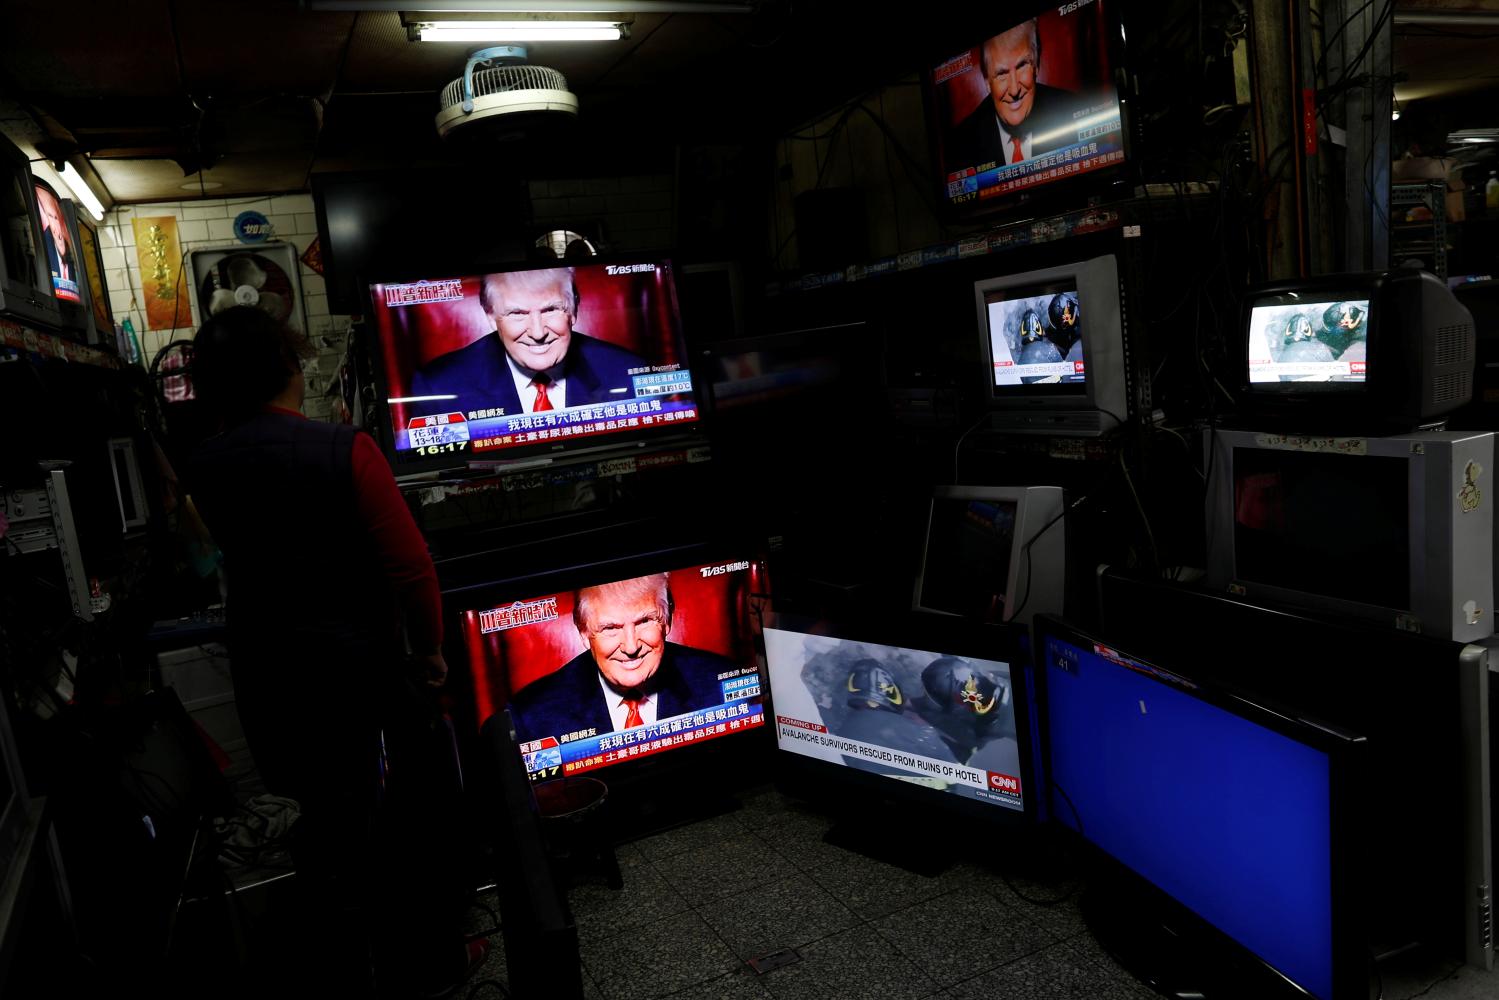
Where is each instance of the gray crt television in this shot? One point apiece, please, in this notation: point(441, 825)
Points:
point(1053, 341)
point(1393, 530)
point(993, 553)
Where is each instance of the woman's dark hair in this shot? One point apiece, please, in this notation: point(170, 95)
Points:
point(242, 359)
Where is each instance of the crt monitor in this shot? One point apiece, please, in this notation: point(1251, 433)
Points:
point(535, 360)
point(627, 666)
point(944, 720)
point(1232, 809)
point(1386, 351)
point(993, 553)
point(25, 278)
point(1053, 343)
point(1028, 108)
point(1393, 530)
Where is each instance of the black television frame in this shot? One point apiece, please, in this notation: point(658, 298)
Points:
point(1113, 183)
point(592, 560)
point(406, 464)
point(847, 789)
point(1347, 757)
point(32, 303)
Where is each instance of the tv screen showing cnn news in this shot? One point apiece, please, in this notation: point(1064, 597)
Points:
point(923, 717)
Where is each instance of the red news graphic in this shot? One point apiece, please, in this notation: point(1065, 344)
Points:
point(754, 718)
point(516, 642)
point(1005, 784)
point(799, 724)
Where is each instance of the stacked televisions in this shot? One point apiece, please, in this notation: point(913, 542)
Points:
point(1336, 488)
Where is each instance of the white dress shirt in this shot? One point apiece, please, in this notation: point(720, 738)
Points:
point(1009, 148)
point(556, 389)
point(619, 711)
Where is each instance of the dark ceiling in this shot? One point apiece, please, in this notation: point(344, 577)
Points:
point(264, 92)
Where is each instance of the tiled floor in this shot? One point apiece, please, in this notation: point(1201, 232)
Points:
point(701, 899)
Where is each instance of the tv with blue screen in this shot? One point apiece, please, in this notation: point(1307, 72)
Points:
point(1223, 812)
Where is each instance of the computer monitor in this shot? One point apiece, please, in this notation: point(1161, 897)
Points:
point(25, 279)
point(993, 553)
point(626, 665)
point(540, 360)
point(1053, 340)
point(1030, 108)
point(938, 717)
point(1224, 809)
point(1378, 352)
point(1392, 530)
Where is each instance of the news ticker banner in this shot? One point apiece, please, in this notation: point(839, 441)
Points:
point(574, 753)
point(483, 429)
point(991, 786)
point(1000, 179)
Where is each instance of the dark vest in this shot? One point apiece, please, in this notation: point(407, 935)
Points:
point(277, 494)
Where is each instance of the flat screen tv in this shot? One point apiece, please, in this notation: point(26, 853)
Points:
point(976, 562)
point(905, 716)
point(537, 360)
point(102, 315)
point(25, 279)
point(1030, 108)
point(1053, 344)
point(1237, 812)
point(625, 666)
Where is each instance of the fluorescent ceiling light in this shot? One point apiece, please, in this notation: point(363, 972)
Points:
point(538, 6)
point(76, 184)
point(520, 31)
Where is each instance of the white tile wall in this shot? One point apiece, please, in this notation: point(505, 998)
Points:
point(209, 223)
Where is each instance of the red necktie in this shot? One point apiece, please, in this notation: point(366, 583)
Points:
point(542, 403)
point(633, 719)
point(1019, 153)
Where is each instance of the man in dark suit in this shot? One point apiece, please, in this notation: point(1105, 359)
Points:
point(1023, 119)
point(629, 675)
point(534, 360)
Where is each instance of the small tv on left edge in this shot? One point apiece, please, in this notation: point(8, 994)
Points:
point(539, 360)
point(25, 280)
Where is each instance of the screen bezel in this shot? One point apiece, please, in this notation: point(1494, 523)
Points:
point(950, 636)
point(1345, 753)
point(1323, 294)
point(405, 463)
point(1107, 183)
point(570, 572)
point(74, 317)
point(94, 264)
point(1098, 294)
point(35, 302)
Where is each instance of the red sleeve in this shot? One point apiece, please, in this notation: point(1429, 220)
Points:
point(399, 547)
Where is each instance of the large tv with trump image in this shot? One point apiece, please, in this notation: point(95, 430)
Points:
point(1029, 107)
point(629, 664)
point(531, 360)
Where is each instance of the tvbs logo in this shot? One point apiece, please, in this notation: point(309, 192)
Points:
point(1003, 783)
point(734, 567)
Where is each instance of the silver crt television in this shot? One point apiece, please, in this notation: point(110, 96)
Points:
point(1395, 530)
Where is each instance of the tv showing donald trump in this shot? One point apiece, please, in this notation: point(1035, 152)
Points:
point(620, 670)
point(1031, 105)
point(924, 717)
point(542, 358)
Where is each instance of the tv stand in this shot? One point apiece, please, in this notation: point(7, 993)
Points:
point(1165, 947)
